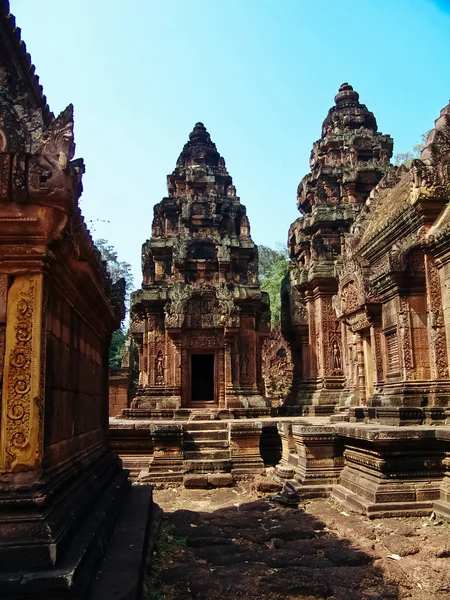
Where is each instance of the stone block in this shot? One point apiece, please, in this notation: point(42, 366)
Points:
point(266, 485)
point(197, 481)
point(220, 479)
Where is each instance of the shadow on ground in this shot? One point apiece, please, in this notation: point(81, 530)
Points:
point(259, 550)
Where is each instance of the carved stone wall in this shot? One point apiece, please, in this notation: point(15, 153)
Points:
point(278, 368)
point(396, 253)
point(347, 162)
point(369, 258)
point(57, 312)
point(200, 290)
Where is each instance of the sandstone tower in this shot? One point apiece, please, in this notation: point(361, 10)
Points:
point(347, 162)
point(200, 318)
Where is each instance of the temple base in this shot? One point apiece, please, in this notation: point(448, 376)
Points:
point(70, 579)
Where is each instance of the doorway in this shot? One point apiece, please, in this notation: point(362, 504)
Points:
point(202, 378)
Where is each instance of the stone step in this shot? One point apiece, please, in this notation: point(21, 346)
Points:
point(165, 469)
point(207, 455)
point(207, 466)
point(161, 478)
point(206, 425)
point(206, 434)
point(205, 444)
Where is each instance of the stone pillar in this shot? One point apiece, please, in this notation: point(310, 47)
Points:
point(320, 459)
point(436, 324)
point(220, 376)
point(375, 336)
point(360, 372)
point(245, 454)
point(285, 468)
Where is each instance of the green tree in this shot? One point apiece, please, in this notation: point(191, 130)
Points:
point(116, 269)
point(116, 347)
point(406, 158)
point(273, 264)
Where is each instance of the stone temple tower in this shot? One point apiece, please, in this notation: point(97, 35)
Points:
point(200, 318)
point(347, 162)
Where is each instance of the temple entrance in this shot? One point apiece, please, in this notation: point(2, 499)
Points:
point(202, 378)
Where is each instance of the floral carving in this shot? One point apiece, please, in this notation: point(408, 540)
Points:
point(22, 405)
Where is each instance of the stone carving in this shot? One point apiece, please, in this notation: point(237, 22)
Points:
point(202, 341)
point(330, 198)
point(278, 367)
point(200, 269)
point(22, 410)
point(159, 368)
point(244, 366)
point(179, 294)
point(337, 364)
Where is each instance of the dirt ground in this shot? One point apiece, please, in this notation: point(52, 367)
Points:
point(235, 543)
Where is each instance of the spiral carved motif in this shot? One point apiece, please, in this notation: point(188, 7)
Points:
point(20, 421)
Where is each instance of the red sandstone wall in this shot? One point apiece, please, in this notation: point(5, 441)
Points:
point(118, 393)
point(76, 383)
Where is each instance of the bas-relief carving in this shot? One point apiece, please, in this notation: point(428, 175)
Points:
point(203, 341)
point(22, 397)
point(378, 264)
point(436, 321)
point(159, 368)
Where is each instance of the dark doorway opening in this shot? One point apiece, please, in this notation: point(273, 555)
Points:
point(270, 446)
point(202, 378)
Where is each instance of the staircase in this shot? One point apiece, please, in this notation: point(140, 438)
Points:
point(206, 447)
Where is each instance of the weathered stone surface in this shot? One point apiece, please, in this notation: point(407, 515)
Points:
point(346, 163)
point(278, 368)
point(195, 481)
point(220, 479)
point(61, 485)
point(266, 485)
point(200, 318)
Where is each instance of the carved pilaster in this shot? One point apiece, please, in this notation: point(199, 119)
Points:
point(404, 329)
point(436, 326)
point(21, 441)
point(375, 336)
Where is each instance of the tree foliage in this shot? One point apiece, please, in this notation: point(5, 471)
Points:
point(116, 347)
point(406, 158)
point(273, 264)
point(116, 269)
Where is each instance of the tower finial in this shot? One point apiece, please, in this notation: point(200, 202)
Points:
point(346, 93)
point(199, 133)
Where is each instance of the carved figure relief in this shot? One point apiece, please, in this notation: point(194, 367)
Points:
point(159, 368)
point(337, 363)
point(244, 366)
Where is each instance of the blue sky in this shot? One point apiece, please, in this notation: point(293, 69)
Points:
point(260, 74)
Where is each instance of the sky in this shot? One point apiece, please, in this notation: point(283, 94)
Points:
point(260, 74)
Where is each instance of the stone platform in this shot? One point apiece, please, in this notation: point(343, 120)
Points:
point(376, 470)
point(170, 452)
